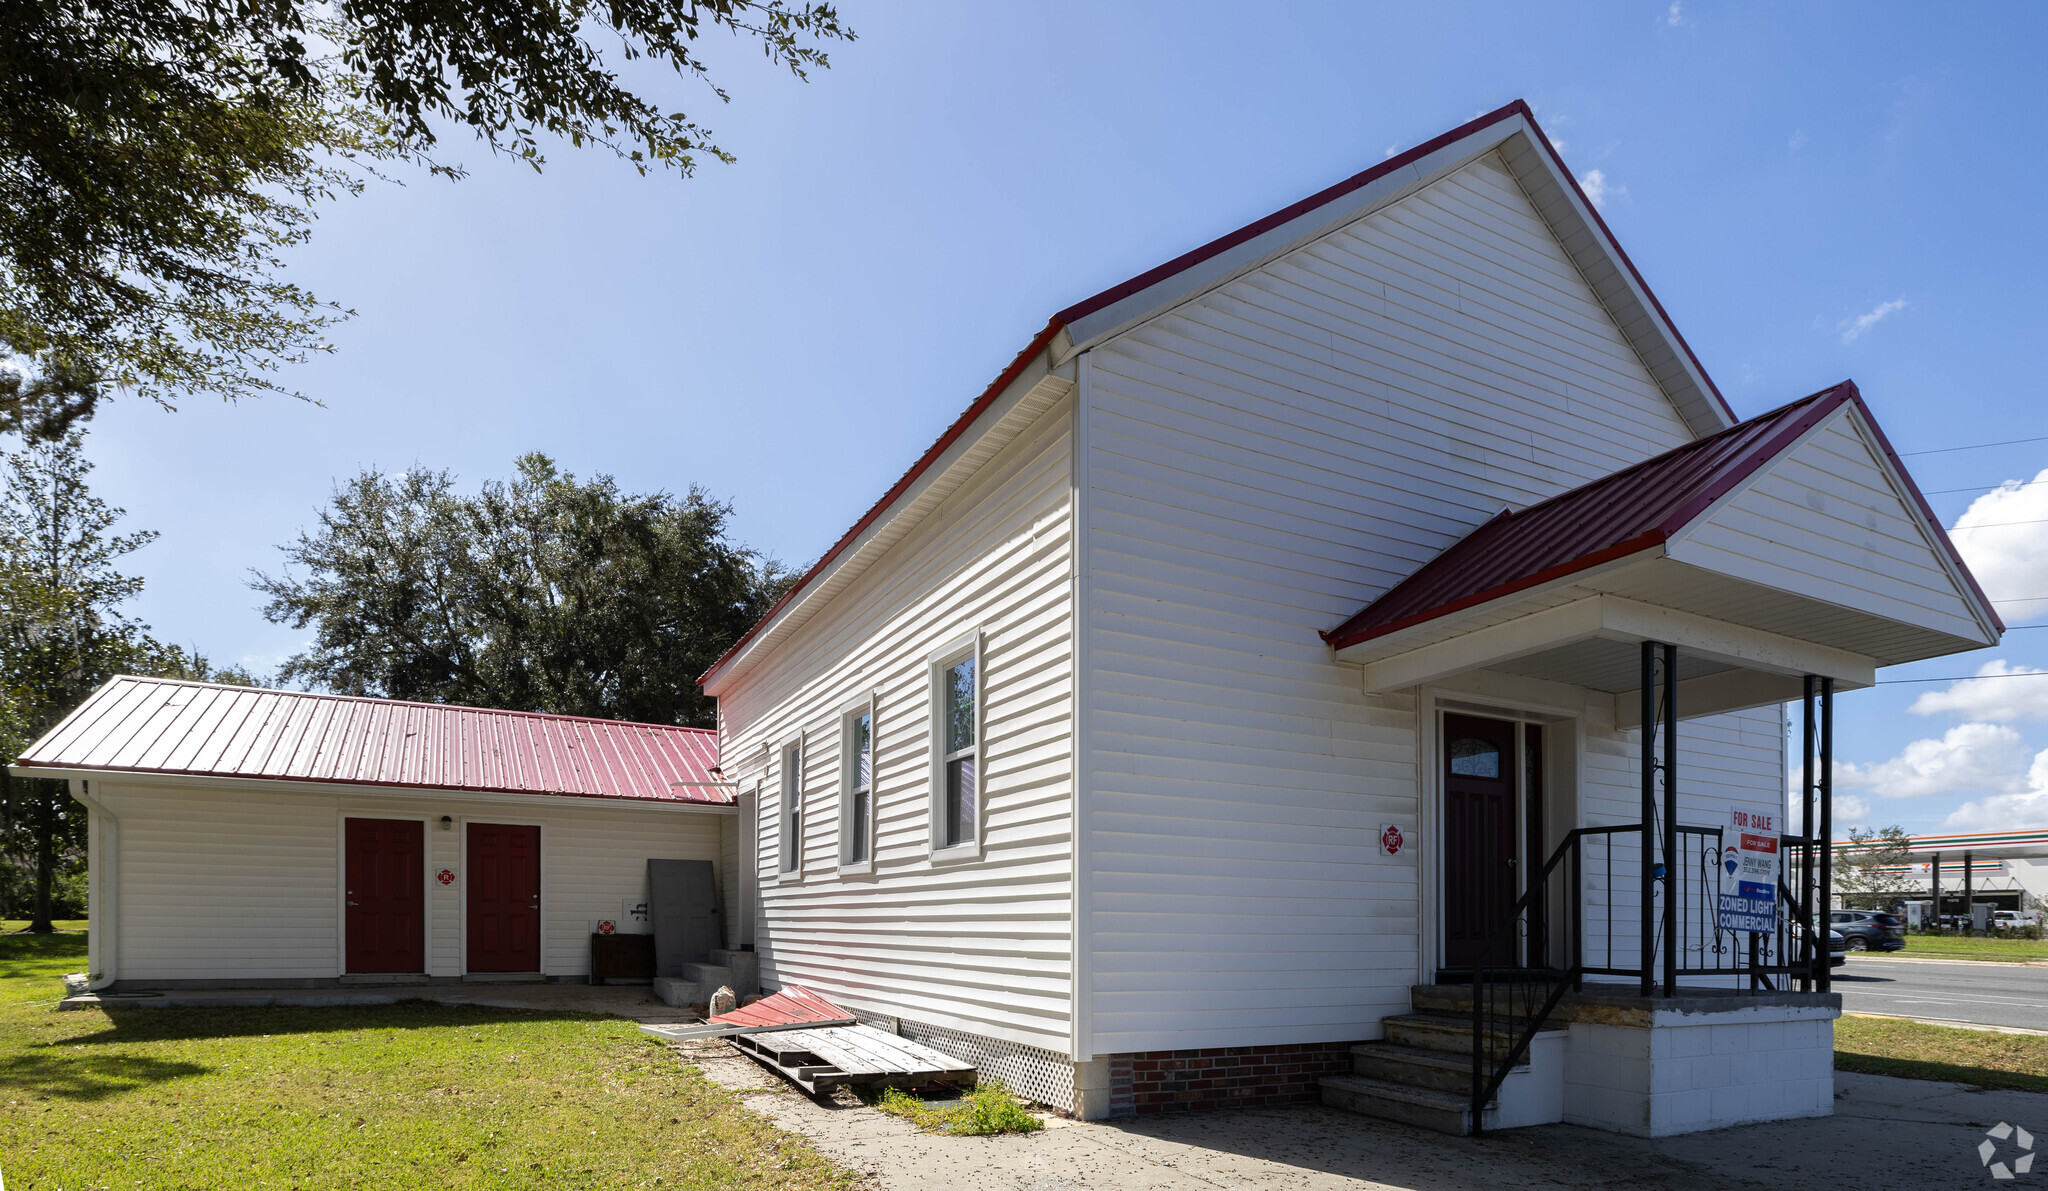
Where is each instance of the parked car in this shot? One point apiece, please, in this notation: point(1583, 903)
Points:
point(1870, 930)
point(1838, 946)
point(2014, 919)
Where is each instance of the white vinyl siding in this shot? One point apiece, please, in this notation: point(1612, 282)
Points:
point(239, 882)
point(1261, 463)
point(1826, 516)
point(981, 945)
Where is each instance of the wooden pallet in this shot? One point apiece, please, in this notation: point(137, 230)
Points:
point(823, 1058)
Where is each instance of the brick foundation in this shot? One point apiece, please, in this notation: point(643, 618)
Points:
point(1227, 1077)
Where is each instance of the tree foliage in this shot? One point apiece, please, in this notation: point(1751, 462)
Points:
point(154, 174)
point(544, 593)
point(62, 634)
point(158, 158)
point(1872, 868)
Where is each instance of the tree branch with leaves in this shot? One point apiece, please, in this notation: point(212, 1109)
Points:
point(159, 160)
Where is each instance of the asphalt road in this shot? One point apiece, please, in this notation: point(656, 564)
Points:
point(1987, 994)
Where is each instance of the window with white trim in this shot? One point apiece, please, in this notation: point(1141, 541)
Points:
point(793, 806)
point(956, 750)
point(857, 804)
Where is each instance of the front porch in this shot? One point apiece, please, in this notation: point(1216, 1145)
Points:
point(1611, 940)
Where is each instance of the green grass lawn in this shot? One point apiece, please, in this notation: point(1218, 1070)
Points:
point(1973, 947)
point(1888, 1046)
point(397, 1096)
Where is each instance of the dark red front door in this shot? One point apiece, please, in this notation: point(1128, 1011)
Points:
point(1479, 840)
point(504, 898)
point(385, 921)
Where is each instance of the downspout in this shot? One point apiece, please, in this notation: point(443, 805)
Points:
point(102, 904)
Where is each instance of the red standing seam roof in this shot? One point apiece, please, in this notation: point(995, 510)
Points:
point(196, 729)
point(1617, 515)
point(793, 1005)
point(1188, 260)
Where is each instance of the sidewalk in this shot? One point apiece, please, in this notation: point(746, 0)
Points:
point(1886, 1133)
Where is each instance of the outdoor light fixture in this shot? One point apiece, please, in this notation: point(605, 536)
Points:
point(447, 823)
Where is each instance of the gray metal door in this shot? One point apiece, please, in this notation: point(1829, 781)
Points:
point(683, 908)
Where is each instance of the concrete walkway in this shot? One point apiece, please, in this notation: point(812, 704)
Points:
point(622, 1000)
point(1886, 1133)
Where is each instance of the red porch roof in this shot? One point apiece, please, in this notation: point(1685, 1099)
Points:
point(196, 729)
point(1615, 516)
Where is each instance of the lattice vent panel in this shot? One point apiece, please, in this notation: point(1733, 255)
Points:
point(1032, 1073)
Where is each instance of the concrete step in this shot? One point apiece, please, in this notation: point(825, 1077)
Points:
point(1430, 1031)
point(1422, 1107)
point(711, 976)
point(746, 970)
point(1453, 1000)
point(680, 993)
point(1414, 1067)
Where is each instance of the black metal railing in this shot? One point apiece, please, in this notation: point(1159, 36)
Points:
point(1574, 921)
point(1510, 1002)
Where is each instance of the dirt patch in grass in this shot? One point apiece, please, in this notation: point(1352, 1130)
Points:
point(1973, 947)
point(983, 1111)
point(408, 1095)
point(1983, 1058)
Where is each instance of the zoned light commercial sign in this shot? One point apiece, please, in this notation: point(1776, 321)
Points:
point(1749, 872)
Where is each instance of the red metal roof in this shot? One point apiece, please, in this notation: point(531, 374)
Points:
point(1180, 264)
point(1617, 515)
point(795, 1005)
point(158, 726)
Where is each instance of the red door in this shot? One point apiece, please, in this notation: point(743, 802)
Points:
point(504, 898)
point(1479, 840)
point(384, 924)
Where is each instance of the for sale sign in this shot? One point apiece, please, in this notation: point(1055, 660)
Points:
point(1749, 872)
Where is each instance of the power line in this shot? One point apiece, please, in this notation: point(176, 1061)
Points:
point(1977, 446)
point(1967, 677)
point(1997, 524)
point(1983, 487)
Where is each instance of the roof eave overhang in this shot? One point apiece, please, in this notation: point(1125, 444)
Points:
point(1040, 360)
point(362, 789)
point(1381, 640)
point(1610, 617)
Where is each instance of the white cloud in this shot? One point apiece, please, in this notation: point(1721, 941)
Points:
point(1598, 188)
point(1674, 16)
point(1991, 697)
point(1853, 329)
point(1798, 140)
point(1391, 150)
point(2016, 811)
point(2003, 535)
point(1968, 758)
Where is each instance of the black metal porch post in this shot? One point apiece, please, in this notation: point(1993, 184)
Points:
point(1823, 915)
point(1806, 825)
point(1649, 737)
point(1936, 870)
point(1672, 880)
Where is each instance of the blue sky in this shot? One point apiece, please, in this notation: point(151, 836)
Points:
point(1815, 192)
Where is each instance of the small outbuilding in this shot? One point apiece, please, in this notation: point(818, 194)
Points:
point(260, 838)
